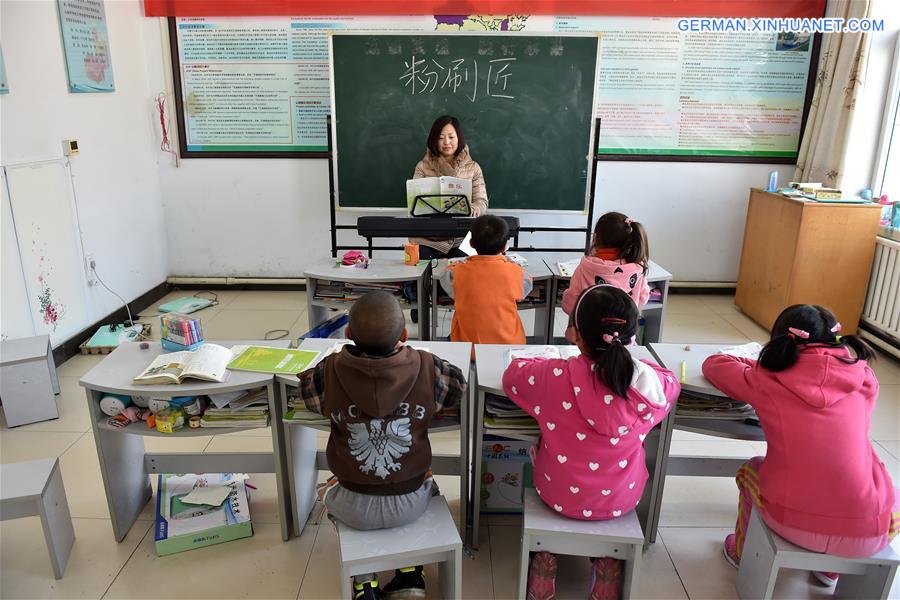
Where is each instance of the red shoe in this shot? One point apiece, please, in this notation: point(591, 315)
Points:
point(542, 577)
point(729, 549)
point(606, 579)
point(825, 578)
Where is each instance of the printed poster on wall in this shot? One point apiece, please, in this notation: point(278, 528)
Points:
point(4, 85)
point(86, 45)
point(262, 83)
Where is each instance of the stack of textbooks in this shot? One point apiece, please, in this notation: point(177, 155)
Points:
point(503, 417)
point(297, 412)
point(237, 409)
point(697, 405)
point(348, 291)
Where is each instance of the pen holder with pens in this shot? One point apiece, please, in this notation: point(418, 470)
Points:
point(180, 332)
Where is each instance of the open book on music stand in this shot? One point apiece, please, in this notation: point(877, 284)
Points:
point(439, 197)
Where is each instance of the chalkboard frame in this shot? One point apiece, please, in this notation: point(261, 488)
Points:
point(722, 158)
point(182, 126)
point(586, 209)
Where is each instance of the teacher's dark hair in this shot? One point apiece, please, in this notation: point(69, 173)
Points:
point(435, 133)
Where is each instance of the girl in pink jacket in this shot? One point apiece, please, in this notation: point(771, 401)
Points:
point(619, 256)
point(820, 485)
point(594, 411)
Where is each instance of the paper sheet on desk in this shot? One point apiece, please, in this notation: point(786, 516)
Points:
point(749, 350)
point(466, 245)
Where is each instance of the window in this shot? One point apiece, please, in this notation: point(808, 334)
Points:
point(887, 164)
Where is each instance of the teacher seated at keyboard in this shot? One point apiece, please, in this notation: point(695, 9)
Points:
point(448, 155)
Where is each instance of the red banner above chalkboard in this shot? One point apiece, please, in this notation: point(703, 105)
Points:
point(633, 8)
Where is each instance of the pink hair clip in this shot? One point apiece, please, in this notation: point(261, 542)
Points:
point(610, 338)
point(798, 333)
point(629, 220)
point(836, 328)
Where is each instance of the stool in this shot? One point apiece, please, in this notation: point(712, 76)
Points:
point(433, 538)
point(28, 380)
point(545, 530)
point(765, 553)
point(36, 488)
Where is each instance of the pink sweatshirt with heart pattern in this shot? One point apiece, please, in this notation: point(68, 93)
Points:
point(590, 463)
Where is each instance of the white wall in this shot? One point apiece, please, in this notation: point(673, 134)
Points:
point(116, 176)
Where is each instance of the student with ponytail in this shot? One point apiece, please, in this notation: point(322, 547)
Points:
point(821, 485)
point(594, 411)
point(619, 256)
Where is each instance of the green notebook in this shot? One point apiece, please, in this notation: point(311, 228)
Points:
point(264, 359)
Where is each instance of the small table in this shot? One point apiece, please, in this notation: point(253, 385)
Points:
point(381, 272)
point(490, 362)
point(304, 460)
point(124, 463)
point(28, 380)
point(670, 356)
point(653, 312)
point(542, 278)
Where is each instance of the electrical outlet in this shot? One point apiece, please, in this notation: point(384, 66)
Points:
point(89, 271)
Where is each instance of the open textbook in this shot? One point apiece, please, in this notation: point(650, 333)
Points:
point(208, 362)
point(541, 352)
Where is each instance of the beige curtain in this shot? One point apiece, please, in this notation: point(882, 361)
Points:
point(842, 66)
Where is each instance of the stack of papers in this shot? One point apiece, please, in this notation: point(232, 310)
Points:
point(340, 291)
point(247, 409)
point(503, 417)
point(567, 269)
point(540, 352)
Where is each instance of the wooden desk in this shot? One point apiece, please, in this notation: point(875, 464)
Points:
point(653, 313)
point(542, 278)
point(381, 271)
point(805, 252)
point(489, 367)
point(304, 460)
point(124, 463)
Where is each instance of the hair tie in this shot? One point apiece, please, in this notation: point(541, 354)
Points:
point(609, 338)
point(613, 320)
point(836, 328)
point(798, 333)
point(629, 220)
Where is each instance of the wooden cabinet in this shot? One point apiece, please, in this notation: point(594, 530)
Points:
point(805, 252)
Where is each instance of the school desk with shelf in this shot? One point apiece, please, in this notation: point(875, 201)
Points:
point(538, 301)
point(390, 275)
point(670, 356)
point(304, 460)
point(490, 360)
point(125, 465)
point(653, 313)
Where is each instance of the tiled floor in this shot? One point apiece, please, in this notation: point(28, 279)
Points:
point(685, 562)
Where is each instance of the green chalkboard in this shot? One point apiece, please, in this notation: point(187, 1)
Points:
point(525, 104)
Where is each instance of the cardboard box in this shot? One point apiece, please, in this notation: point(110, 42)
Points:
point(181, 526)
point(506, 472)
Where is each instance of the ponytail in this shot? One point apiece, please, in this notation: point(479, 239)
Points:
point(807, 325)
point(606, 319)
point(636, 249)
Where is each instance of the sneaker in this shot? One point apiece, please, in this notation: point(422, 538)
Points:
point(407, 584)
point(542, 577)
point(729, 549)
point(367, 590)
point(606, 579)
point(825, 578)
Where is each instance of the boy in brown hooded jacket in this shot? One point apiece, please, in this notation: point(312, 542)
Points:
point(380, 396)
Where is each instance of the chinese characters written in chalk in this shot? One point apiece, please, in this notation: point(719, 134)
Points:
point(425, 75)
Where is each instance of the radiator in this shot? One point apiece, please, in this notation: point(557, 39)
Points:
point(882, 308)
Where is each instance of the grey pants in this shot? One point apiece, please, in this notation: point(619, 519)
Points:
point(367, 511)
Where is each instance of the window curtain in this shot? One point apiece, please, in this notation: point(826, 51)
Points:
point(839, 82)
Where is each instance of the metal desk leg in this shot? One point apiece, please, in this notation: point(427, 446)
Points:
point(464, 429)
point(657, 444)
point(434, 310)
point(422, 288)
point(478, 429)
point(300, 465)
point(125, 481)
point(276, 414)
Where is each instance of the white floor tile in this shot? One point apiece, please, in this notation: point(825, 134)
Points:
point(245, 324)
point(699, 502)
point(17, 446)
point(71, 403)
point(705, 327)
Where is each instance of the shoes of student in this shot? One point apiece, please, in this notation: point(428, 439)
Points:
point(825, 578)
point(729, 549)
point(542, 577)
point(407, 584)
point(367, 590)
point(606, 579)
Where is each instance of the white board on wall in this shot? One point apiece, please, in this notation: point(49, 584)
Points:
point(15, 314)
point(43, 214)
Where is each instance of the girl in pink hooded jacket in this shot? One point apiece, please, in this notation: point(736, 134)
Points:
point(820, 485)
point(594, 411)
point(619, 256)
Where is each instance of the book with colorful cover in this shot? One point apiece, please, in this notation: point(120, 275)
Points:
point(264, 359)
